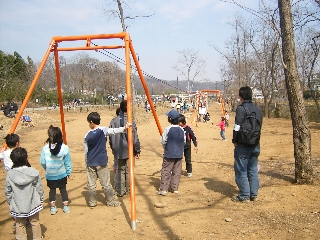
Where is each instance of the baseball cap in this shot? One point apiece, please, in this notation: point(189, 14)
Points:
point(173, 114)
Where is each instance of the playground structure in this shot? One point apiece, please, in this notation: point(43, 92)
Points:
point(202, 96)
point(128, 47)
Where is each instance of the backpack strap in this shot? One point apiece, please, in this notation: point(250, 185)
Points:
point(246, 109)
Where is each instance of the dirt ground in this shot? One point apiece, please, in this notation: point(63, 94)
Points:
point(202, 209)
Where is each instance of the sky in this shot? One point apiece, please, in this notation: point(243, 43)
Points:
point(28, 26)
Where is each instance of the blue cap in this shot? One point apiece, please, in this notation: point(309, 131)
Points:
point(173, 114)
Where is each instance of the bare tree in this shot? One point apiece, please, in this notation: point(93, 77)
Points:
point(301, 130)
point(190, 65)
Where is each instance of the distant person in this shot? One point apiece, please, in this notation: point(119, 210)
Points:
point(26, 120)
point(245, 157)
point(222, 129)
point(97, 159)
point(119, 146)
point(56, 161)
point(206, 117)
point(13, 106)
point(173, 104)
point(173, 139)
point(190, 136)
point(226, 118)
point(24, 194)
point(10, 109)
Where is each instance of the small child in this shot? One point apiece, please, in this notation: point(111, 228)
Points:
point(222, 129)
point(24, 194)
point(12, 141)
point(190, 135)
point(226, 118)
point(97, 159)
point(172, 140)
point(55, 159)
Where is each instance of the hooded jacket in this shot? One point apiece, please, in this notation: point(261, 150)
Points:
point(24, 192)
point(56, 166)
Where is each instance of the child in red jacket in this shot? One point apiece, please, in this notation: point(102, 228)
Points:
point(222, 128)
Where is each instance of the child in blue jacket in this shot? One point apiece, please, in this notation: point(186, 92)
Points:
point(55, 159)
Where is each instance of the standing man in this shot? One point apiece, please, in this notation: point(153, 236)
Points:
point(119, 146)
point(246, 156)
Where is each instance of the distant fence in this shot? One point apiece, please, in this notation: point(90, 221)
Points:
point(283, 111)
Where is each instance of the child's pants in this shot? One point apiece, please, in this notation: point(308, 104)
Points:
point(122, 176)
point(21, 233)
point(187, 157)
point(170, 174)
point(53, 192)
point(222, 134)
point(104, 176)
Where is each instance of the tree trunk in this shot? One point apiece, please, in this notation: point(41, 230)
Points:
point(301, 130)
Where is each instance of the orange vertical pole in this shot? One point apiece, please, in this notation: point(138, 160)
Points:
point(130, 140)
point(221, 103)
point(56, 61)
point(155, 116)
point(32, 86)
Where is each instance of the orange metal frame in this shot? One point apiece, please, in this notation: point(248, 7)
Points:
point(220, 98)
point(53, 47)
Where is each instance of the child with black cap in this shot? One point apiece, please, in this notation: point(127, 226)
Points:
point(172, 140)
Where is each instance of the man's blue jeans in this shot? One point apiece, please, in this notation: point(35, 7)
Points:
point(246, 172)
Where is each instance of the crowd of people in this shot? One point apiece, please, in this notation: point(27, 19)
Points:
point(9, 109)
point(24, 191)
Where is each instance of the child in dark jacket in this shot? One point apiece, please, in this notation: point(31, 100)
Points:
point(190, 135)
point(172, 140)
point(97, 159)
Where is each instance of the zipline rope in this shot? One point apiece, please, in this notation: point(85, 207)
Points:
point(116, 58)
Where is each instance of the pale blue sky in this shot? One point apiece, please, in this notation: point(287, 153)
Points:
point(27, 26)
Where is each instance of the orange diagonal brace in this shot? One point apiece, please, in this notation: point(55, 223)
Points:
point(145, 88)
point(63, 127)
point(32, 86)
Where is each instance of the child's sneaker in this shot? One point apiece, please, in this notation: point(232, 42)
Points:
point(53, 210)
point(189, 175)
point(66, 209)
point(163, 193)
point(113, 203)
point(237, 199)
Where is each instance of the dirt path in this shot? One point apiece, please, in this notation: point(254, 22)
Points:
point(200, 210)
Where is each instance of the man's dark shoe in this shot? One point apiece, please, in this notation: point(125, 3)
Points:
point(237, 199)
point(254, 198)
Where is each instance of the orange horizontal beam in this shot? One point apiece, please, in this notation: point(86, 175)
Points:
point(89, 48)
point(212, 91)
point(85, 37)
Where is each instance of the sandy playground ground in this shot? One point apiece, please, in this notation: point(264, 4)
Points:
point(202, 209)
